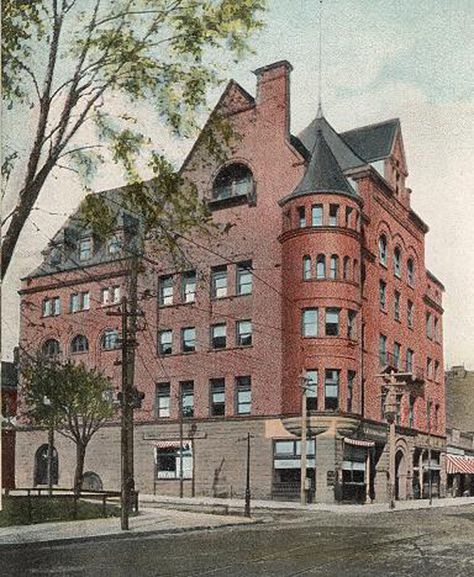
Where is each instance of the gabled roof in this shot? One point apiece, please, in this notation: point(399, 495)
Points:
point(345, 155)
point(323, 173)
point(373, 142)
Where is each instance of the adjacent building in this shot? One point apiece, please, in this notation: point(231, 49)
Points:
point(460, 431)
point(317, 283)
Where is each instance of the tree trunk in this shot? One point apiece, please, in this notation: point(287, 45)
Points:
point(79, 473)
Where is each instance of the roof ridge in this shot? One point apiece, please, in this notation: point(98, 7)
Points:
point(372, 125)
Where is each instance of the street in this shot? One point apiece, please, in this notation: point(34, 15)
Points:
point(434, 543)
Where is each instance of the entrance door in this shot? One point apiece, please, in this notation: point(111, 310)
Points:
point(400, 476)
point(41, 466)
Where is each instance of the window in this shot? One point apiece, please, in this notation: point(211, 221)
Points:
point(383, 295)
point(410, 315)
point(332, 322)
point(309, 324)
point(306, 267)
point(110, 295)
point(51, 348)
point(411, 412)
point(113, 245)
point(383, 249)
point(52, 307)
point(396, 354)
point(311, 390)
point(334, 265)
point(410, 272)
point(217, 387)
point(348, 216)
point(350, 389)
point(396, 305)
point(165, 342)
point(188, 339)
point(429, 326)
point(79, 344)
point(244, 333)
point(301, 217)
point(351, 328)
point(168, 462)
point(436, 330)
point(331, 389)
point(79, 302)
point(85, 248)
point(320, 266)
point(333, 211)
point(345, 268)
point(383, 350)
point(165, 290)
point(244, 395)
point(409, 357)
point(429, 368)
point(109, 339)
point(188, 287)
point(398, 414)
point(163, 400)
point(397, 262)
point(436, 371)
point(244, 278)
point(232, 181)
point(355, 270)
point(219, 336)
point(187, 398)
point(317, 215)
point(219, 282)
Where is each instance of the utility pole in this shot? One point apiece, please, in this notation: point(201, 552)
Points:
point(181, 473)
point(304, 436)
point(430, 482)
point(247, 481)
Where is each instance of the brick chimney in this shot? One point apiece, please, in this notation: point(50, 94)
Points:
point(273, 94)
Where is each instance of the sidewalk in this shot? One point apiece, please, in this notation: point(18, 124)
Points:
point(148, 521)
point(229, 506)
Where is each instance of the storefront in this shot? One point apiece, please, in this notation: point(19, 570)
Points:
point(357, 470)
point(287, 470)
point(460, 471)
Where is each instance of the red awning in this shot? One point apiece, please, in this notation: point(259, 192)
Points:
point(459, 464)
point(358, 442)
point(172, 445)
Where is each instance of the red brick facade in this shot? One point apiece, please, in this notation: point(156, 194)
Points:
point(266, 232)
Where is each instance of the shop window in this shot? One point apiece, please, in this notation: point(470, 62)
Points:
point(168, 462)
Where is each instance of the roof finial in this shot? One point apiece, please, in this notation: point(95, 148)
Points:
point(320, 106)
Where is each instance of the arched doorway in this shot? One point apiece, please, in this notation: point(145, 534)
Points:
point(400, 475)
point(41, 466)
point(92, 482)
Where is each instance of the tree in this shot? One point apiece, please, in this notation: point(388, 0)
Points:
point(158, 51)
point(68, 397)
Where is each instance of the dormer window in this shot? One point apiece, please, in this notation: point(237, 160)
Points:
point(113, 245)
point(234, 180)
point(85, 248)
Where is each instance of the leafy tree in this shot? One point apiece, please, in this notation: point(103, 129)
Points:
point(64, 59)
point(68, 397)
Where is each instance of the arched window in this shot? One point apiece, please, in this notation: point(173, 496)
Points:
point(411, 272)
point(109, 339)
point(334, 265)
point(79, 344)
point(397, 262)
point(321, 266)
point(233, 180)
point(355, 270)
point(383, 249)
point(306, 267)
point(51, 348)
point(41, 466)
point(345, 268)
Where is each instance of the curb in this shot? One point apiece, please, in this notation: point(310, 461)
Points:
point(125, 535)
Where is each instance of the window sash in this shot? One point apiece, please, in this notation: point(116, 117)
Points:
point(110, 339)
point(244, 396)
point(85, 249)
point(306, 268)
point(219, 284)
point(189, 288)
point(75, 303)
point(166, 290)
point(310, 322)
point(333, 214)
point(165, 342)
point(219, 336)
point(332, 322)
point(317, 215)
point(188, 336)
point(244, 333)
point(301, 217)
point(320, 267)
point(244, 279)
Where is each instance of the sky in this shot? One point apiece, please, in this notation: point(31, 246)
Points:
point(380, 59)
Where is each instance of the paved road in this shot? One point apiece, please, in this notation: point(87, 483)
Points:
point(427, 543)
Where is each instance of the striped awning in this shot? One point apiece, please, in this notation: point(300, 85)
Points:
point(172, 445)
point(459, 464)
point(358, 442)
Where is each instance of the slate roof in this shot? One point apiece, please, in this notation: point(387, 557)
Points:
point(323, 173)
point(373, 142)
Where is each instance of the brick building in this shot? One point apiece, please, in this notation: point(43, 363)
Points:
point(320, 279)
